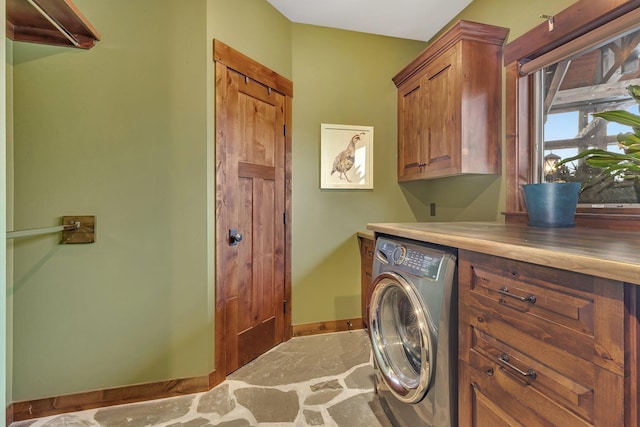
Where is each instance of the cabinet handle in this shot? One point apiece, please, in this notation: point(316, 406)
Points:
point(530, 373)
point(415, 164)
point(529, 298)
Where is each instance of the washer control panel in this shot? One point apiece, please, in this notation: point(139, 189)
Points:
point(419, 261)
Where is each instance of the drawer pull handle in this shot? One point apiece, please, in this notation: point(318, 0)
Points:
point(530, 373)
point(529, 298)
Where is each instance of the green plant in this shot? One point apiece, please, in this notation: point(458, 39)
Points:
point(616, 165)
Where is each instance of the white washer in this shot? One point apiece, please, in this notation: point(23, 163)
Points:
point(413, 331)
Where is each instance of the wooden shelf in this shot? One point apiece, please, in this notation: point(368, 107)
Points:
point(54, 22)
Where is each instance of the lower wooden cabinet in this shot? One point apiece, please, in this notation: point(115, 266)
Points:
point(367, 246)
point(542, 347)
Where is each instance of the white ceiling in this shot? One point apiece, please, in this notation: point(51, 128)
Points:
point(407, 19)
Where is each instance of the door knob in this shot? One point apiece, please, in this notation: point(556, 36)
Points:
point(234, 237)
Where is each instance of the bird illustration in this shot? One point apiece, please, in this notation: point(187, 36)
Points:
point(346, 158)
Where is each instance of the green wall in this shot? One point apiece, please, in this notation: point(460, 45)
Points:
point(7, 263)
point(256, 29)
point(518, 16)
point(345, 77)
point(119, 132)
point(125, 132)
point(5, 334)
point(340, 77)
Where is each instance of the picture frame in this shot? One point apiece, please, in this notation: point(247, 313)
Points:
point(346, 157)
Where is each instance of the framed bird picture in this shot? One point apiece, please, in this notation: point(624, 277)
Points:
point(346, 157)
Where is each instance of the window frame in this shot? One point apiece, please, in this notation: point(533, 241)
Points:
point(583, 22)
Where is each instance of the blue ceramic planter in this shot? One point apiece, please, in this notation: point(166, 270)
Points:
point(552, 204)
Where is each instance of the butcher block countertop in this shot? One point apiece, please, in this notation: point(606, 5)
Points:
point(604, 253)
point(366, 234)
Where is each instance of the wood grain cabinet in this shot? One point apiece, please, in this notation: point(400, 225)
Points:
point(367, 247)
point(540, 346)
point(450, 105)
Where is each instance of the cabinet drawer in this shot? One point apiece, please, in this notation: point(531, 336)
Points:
point(539, 386)
point(497, 395)
point(567, 318)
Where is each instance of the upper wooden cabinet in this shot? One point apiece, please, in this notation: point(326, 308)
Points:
point(54, 22)
point(450, 105)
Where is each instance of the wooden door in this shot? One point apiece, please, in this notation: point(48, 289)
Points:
point(251, 252)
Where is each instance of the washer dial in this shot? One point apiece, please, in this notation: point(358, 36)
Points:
point(398, 255)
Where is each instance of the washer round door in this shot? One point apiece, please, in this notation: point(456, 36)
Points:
point(400, 339)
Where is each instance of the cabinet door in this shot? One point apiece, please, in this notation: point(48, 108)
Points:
point(410, 129)
point(441, 109)
point(475, 393)
point(367, 247)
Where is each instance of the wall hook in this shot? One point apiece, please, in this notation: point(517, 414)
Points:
point(549, 19)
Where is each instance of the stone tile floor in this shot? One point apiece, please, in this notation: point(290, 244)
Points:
point(320, 380)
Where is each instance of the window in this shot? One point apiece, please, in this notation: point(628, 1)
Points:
point(566, 94)
point(584, 32)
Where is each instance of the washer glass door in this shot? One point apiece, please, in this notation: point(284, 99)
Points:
point(400, 337)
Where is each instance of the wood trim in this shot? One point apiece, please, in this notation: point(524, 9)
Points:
point(221, 182)
point(306, 329)
point(600, 220)
point(222, 150)
point(25, 410)
point(247, 66)
point(461, 30)
point(632, 352)
point(517, 146)
point(575, 21)
point(288, 141)
point(594, 38)
point(9, 415)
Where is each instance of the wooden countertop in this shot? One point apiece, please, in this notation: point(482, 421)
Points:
point(604, 253)
point(366, 234)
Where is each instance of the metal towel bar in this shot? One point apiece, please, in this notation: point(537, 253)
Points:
point(75, 229)
point(38, 231)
